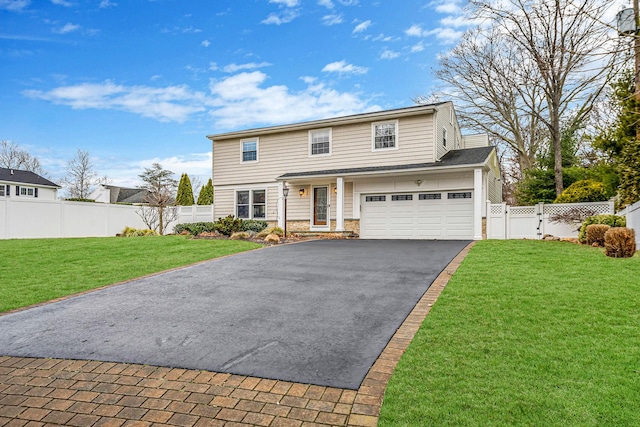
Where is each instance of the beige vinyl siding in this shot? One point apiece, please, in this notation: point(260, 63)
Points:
point(443, 121)
point(475, 140)
point(351, 147)
point(225, 201)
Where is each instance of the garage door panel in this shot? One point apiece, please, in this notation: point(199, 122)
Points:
point(417, 216)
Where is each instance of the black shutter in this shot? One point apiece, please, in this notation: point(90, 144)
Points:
point(8, 192)
point(35, 192)
point(17, 190)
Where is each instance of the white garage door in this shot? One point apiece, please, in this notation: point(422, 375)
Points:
point(433, 215)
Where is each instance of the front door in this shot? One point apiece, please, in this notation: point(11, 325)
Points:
point(320, 206)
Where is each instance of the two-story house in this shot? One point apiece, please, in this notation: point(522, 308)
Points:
point(20, 183)
point(406, 173)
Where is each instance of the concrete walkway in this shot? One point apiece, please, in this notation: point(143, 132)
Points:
point(38, 392)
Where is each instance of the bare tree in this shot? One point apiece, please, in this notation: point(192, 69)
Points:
point(161, 190)
point(81, 176)
point(530, 69)
point(14, 157)
point(569, 49)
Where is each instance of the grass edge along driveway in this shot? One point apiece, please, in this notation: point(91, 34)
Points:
point(38, 270)
point(526, 333)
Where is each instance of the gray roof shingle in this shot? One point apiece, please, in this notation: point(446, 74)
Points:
point(25, 177)
point(464, 157)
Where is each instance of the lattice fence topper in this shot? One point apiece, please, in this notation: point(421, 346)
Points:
point(586, 210)
point(522, 210)
point(497, 209)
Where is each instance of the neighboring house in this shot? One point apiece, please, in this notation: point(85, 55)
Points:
point(407, 173)
point(115, 194)
point(24, 184)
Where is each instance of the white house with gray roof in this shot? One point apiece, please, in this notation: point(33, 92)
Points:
point(406, 173)
point(25, 184)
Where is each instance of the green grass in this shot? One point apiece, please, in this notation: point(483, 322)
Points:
point(37, 270)
point(526, 333)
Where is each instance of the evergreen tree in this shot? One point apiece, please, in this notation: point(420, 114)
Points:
point(620, 142)
point(206, 194)
point(185, 192)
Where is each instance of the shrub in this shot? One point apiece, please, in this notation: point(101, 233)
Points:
point(135, 232)
point(79, 199)
point(595, 234)
point(610, 220)
point(228, 225)
point(194, 228)
point(620, 242)
point(586, 190)
point(254, 225)
point(240, 235)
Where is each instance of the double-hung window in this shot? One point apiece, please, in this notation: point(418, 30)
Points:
point(251, 204)
point(2, 190)
point(249, 150)
point(320, 142)
point(444, 137)
point(385, 135)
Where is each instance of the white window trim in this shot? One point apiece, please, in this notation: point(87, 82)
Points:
point(313, 226)
point(242, 141)
point(445, 137)
point(451, 115)
point(251, 190)
point(330, 142)
point(373, 135)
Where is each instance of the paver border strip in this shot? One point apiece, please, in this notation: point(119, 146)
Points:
point(41, 392)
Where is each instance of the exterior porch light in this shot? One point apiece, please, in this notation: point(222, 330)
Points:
point(301, 192)
point(285, 193)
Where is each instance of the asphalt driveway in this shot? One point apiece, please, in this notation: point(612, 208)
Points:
point(317, 312)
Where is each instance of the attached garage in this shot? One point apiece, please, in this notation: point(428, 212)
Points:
point(444, 215)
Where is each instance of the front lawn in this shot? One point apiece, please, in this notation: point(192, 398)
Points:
point(526, 333)
point(37, 270)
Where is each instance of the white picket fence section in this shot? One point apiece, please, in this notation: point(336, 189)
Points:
point(534, 222)
point(633, 219)
point(35, 218)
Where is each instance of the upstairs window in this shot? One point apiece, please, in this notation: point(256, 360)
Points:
point(385, 135)
point(320, 142)
point(1, 190)
point(444, 137)
point(249, 150)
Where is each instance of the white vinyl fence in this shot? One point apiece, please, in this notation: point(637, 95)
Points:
point(534, 222)
point(633, 219)
point(33, 218)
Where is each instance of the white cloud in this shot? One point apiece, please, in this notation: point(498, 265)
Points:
point(194, 164)
point(62, 3)
point(341, 67)
point(419, 47)
point(168, 104)
point(458, 21)
point(14, 5)
point(67, 28)
point(287, 3)
point(238, 101)
point(415, 31)
point(279, 19)
point(213, 66)
point(349, 2)
point(242, 101)
point(447, 6)
point(106, 3)
point(232, 68)
point(326, 3)
point(362, 27)
point(389, 54)
point(205, 43)
point(331, 20)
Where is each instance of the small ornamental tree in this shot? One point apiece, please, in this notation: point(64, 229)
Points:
point(161, 187)
point(185, 192)
point(206, 194)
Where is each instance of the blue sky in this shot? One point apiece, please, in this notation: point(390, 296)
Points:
point(141, 81)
